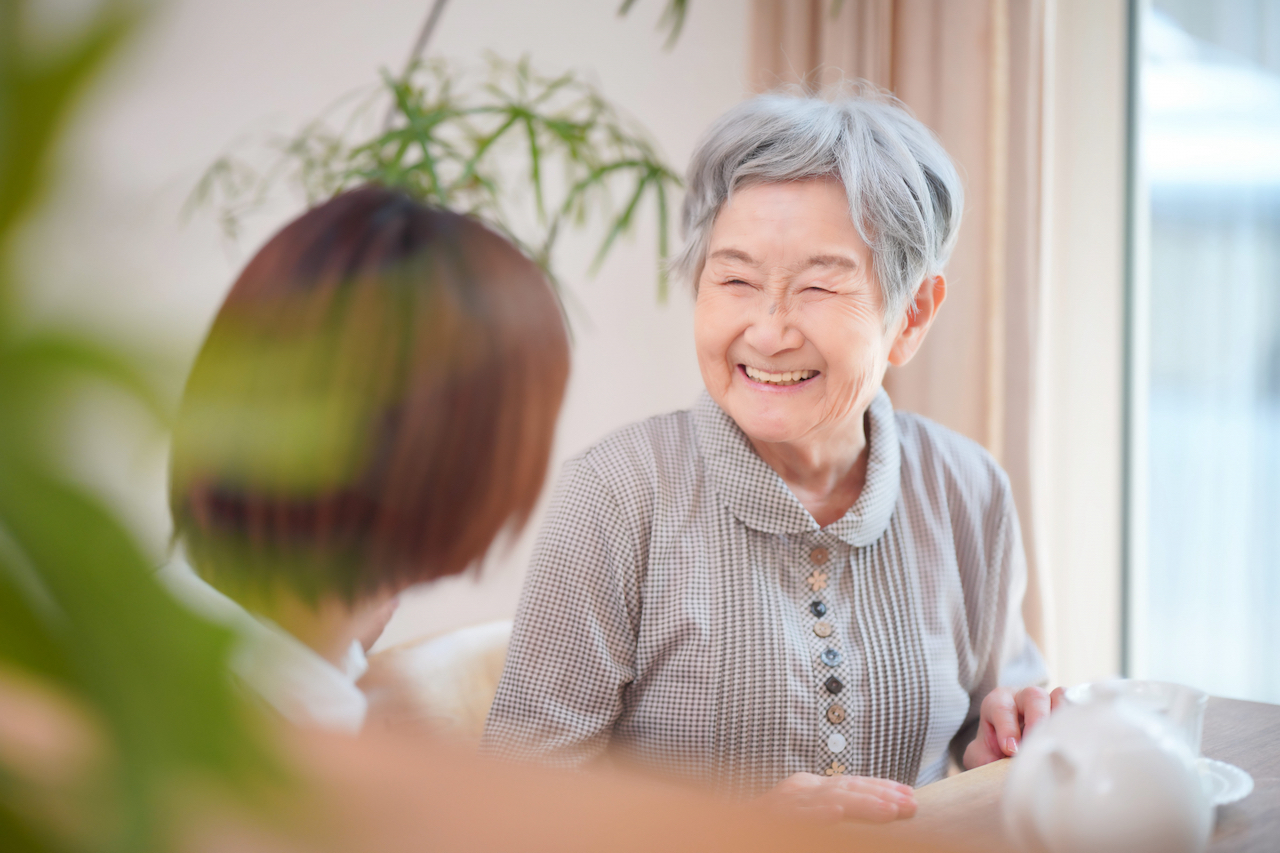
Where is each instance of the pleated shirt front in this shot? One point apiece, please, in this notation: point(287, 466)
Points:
point(684, 610)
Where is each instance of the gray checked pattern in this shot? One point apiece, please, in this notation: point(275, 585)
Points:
point(667, 616)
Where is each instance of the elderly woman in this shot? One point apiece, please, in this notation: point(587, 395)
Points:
point(791, 585)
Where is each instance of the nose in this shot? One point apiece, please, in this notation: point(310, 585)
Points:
point(771, 330)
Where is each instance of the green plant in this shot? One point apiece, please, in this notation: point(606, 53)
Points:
point(672, 19)
point(452, 138)
point(675, 12)
point(82, 618)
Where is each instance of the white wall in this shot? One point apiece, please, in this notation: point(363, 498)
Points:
point(110, 252)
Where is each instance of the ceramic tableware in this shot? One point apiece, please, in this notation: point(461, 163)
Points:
point(1107, 776)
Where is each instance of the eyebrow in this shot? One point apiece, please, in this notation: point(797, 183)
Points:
point(832, 261)
point(839, 261)
point(733, 255)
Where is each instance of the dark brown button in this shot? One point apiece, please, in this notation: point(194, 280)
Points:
point(835, 715)
point(822, 629)
point(833, 685)
point(819, 555)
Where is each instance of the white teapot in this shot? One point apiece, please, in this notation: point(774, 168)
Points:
point(1102, 777)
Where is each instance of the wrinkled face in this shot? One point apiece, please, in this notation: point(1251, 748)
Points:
point(789, 323)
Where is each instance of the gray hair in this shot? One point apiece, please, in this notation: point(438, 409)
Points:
point(905, 196)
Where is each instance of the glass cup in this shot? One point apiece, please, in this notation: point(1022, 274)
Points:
point(1181, 707)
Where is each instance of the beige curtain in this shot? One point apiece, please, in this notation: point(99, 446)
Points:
point(974, 71)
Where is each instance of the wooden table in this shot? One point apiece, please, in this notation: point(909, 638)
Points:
point(965, 809)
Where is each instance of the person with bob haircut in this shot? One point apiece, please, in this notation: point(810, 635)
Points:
point(374, 403)
point(790, 590)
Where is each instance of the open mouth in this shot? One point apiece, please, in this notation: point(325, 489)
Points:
point(782, 380)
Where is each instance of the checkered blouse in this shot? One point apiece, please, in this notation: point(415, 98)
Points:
point(683, 609)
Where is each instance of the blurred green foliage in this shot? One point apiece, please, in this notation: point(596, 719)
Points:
point(675, 12)
point(672, 19)
point(451, 137)
point(80, 611)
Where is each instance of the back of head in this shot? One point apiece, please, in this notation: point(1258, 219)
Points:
point(905, 196)
point(373, 405)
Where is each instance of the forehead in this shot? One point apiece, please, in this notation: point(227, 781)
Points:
point(776, 221)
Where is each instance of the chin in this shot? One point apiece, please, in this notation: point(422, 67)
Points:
point(767, 428)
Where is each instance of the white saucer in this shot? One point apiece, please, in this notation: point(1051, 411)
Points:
point(1223, 782)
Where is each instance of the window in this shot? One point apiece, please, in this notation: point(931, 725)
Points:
point(1204, 393)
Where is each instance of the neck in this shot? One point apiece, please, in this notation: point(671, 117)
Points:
point(825, 473)
point(329, 626)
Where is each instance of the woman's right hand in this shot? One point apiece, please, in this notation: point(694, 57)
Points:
point(835, 798)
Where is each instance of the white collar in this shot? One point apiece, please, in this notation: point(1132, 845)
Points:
point(290, 676)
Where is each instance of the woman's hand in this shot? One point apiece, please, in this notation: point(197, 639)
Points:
point(1005, 717)
point(833, 798)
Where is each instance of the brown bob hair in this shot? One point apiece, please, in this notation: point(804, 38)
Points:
point(374, 403)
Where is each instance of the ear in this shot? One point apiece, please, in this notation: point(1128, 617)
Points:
point(916, 320)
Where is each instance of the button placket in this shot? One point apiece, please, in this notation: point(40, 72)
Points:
point(829, 657)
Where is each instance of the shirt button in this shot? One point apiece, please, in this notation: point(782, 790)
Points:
point(835, 715)
point(819, 555)
point(836, 742)
point(822, 629)
point(818, 609)
point(832, 657)
point(833, 685)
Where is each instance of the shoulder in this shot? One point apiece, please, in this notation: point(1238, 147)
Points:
point(605, 503)
point(933, 455)
point(641, 454)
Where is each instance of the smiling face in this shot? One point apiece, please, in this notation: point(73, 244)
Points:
point(789, 323)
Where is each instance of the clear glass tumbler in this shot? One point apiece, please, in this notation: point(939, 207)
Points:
point(1182, 707)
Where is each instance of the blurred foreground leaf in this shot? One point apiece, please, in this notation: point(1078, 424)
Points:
point(80, 609)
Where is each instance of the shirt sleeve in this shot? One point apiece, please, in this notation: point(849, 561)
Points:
point(573, 645)
point(1008, 657)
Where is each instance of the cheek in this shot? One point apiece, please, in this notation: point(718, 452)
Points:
point(852, 343)
point(712, 332)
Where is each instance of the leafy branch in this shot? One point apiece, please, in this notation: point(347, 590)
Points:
point(529, 154)
point(674, 13)
point(672, 19)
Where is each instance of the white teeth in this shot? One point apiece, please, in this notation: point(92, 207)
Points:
point(789, 377)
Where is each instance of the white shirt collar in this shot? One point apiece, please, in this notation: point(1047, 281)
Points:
point(290, 676)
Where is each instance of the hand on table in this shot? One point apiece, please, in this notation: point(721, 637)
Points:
point(1005, 717)
point(836, 798)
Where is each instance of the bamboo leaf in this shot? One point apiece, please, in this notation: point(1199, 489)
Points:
point(672, 18)
point(664, 251)
point(450, 139)
point(535, 165)
point(482, 147)
point(620, 224)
